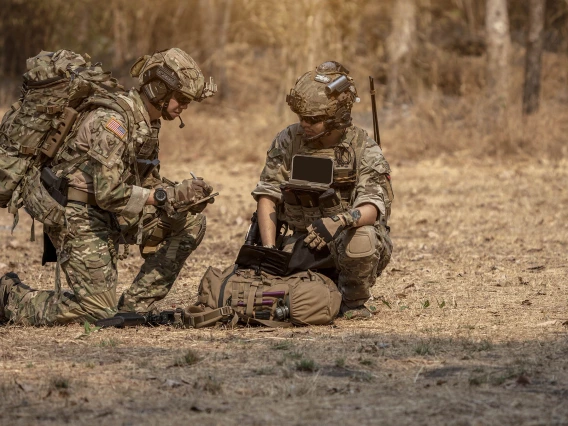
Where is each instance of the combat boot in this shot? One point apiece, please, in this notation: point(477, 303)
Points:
point(7, 281)
point(360, 312)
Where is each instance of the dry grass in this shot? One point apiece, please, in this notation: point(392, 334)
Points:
point(469, 325)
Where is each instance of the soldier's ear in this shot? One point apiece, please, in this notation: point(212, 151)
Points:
point(136, 69)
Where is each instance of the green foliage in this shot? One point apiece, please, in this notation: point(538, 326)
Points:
point(423, 349)
point(60, 383)
point(89, 328)
point(282, 346)
point(109, 343)
point(307, 364)
point(189, 358)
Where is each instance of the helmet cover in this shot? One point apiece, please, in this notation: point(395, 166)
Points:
point(309, 97)
point(177, 71)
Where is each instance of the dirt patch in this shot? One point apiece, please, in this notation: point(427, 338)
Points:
point(470, 323)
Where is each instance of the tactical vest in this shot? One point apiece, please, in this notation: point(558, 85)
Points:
point(346, 162)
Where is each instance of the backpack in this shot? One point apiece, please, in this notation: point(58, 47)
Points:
point(255, 297)
point(57, 87)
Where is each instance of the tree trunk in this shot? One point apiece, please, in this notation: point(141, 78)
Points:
point(498, 51)
point(400, 44)
point(533, 56)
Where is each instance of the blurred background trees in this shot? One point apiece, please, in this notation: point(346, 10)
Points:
point(442, 63)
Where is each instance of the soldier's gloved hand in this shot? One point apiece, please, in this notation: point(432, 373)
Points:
point(202, 188)
point(188, 192)
point(325, 230)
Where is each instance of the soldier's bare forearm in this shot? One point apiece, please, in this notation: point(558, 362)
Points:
point(367, 215)
point(266, 211)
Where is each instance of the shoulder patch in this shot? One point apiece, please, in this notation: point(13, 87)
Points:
point(116, 127)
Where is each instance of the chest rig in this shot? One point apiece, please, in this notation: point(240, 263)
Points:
point(301, 208)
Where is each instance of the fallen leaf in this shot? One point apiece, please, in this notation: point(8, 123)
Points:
point(26, 387)
point(523, 380)
point(526, 302)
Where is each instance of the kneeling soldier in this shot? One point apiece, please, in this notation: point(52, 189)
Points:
point(116, 195)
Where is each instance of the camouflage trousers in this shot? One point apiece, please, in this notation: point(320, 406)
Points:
point(355, 259)
point(87, 251)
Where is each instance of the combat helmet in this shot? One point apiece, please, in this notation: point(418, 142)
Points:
point(327, 91)
point(170, 72)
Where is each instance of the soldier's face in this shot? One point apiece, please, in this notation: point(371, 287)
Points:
point(175, 108)
point(312, 125)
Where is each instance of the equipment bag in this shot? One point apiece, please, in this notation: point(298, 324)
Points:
point(57, 86)
point(256, 297)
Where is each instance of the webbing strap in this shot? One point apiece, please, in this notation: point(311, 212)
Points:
point(204, 319)
point(251, 299)
point(74, 194)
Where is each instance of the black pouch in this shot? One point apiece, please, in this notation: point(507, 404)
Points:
point(271, 261)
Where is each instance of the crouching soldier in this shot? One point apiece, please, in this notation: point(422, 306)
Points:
point(346, 236)
point(116, 195)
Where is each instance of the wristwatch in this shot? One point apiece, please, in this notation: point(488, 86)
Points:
point(160, 196)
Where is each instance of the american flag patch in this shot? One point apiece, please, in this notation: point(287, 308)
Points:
point(115, 127)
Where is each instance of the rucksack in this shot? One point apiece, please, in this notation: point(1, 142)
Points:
point(256, 297)
point(57, 87)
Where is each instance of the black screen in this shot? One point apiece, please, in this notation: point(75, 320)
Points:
point(312, 169)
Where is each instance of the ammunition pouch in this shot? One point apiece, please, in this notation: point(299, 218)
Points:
point(295, 217)
point(332, 211)
point(156, 237)
point(311, 214)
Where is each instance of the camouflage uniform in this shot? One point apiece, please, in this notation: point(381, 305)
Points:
point(87, 246)
point(358, 255)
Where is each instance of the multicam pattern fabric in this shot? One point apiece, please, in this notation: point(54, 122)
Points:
point(358, 267)
point(308, 96)
point(87, 247)
point(191, 77)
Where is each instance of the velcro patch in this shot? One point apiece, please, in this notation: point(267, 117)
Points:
point(115, 127)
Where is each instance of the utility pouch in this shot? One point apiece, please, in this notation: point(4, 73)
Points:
point(39, 203)
point(330, 203)
point(56, 186)
point(295, 216)
point(311, 214)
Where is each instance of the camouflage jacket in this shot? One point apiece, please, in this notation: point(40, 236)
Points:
point(101, 139)
point(369, 182)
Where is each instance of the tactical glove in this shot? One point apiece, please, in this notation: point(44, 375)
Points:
point(187, 192)
point(323, 231)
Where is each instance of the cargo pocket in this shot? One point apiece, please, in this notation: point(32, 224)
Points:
point(360, 242)
point(100, 272)
point(39, 204)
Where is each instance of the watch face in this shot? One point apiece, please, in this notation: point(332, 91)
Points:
point(160, 196)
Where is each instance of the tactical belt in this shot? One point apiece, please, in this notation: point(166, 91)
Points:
point(74, 194)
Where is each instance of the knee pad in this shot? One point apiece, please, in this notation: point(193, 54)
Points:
point(360, 242)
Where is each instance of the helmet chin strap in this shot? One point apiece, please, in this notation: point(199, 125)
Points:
point(164, 110)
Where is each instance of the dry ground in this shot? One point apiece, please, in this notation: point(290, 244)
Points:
point(469, 327)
